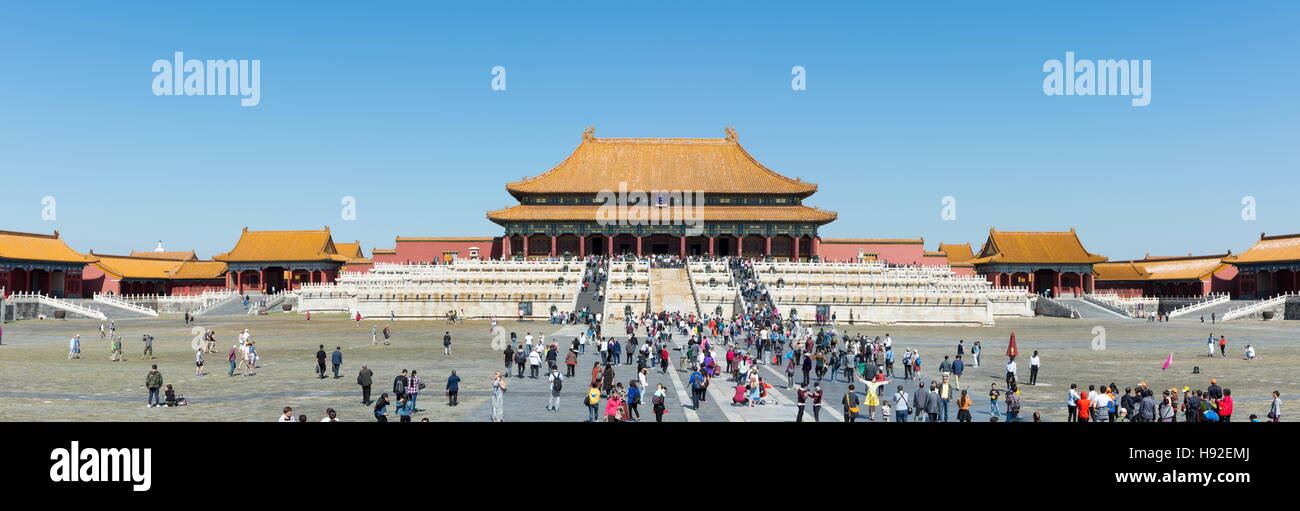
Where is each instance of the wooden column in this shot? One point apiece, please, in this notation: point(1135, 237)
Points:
point(711, 246)
point(767, 246)
point(638, 246)
point(1056, 291)
point(553, 238)
point(682, 243)
point(794, 247)
point(505, 248)
point(582, 246)
point(610, 241)
point(525, 246)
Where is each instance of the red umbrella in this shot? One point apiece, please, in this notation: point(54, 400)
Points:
point(1011, 348)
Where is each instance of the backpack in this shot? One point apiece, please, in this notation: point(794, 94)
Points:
point(557, 383)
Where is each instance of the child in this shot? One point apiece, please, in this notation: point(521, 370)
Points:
point(993, 400)
point(885, 409)
point(198, 363)
point(170, 395)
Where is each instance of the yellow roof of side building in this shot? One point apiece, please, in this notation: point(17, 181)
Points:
point(1052, 247)
point(199, 270)
point(1269, 249)
point(179, 256)
point(710, 165)
point(353, 252)
point(1162, 268)
point(158, 268)
point(256, 246)
point(957, 253)
point(38, 247)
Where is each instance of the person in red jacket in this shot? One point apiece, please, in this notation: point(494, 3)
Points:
point(1085, 407)
point(1225, 406)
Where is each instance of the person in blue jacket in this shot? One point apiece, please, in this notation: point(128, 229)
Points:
point(957, 367)
point(453, 387)
point(404, 409)
point(336, 360)
point(381, 408)
point(696, 385)
point(633, 399)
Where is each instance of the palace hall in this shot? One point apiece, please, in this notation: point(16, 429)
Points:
point(749, 209)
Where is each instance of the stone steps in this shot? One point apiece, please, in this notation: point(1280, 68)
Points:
point(671, 291)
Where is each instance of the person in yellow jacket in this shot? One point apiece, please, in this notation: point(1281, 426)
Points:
point(593, 402)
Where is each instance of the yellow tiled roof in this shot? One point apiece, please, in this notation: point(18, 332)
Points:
point(712, 165)
point(179, 256)
point(129, 267)
point(388, 251)
point(1034, 247)
point(711, 214)
point(1162, 268)
point(1268, 249)
point(1183, 268)
point(158, 268)
point(1126, 270)
point(957, 253)
point(283, 246)
point(199, 270)
point(38, 247)
point(353, 252)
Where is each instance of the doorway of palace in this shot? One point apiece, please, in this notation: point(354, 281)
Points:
point(596, 245)
point(724, 246)
point(274, 279)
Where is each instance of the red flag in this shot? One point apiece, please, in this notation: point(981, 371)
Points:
point(1011, 348)
point(1168, 362)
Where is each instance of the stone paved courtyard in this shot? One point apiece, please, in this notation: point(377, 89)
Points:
point(40, 384)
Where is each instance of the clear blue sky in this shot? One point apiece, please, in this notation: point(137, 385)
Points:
point(907, 102)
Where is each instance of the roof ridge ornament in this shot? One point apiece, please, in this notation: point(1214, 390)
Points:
point(589, 133)
point(731, 134)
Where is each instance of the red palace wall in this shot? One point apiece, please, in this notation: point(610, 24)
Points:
point(901, 252)
point(934, 260)
point(1127, 290)
point(436, 250)
point(94, 280)
point(357, 268)
point(1223, 281)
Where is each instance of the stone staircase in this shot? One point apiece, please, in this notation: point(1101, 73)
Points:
point(229, 306)
point(672, 291)
point(1217, 310)
point(32, 305)
point(111, 303)
point(1089, 310)
point(1276, 304)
